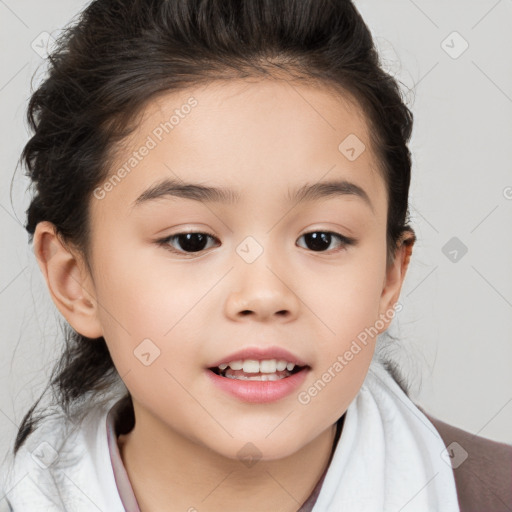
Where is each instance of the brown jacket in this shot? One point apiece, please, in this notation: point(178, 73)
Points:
point(484, 478)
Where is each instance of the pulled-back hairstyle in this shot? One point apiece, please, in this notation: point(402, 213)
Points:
point(119, 54)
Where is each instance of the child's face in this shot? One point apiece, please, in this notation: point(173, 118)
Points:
point(260, 283)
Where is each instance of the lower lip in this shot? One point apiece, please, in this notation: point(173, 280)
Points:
point(259, 391)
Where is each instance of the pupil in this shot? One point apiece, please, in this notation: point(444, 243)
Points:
point(319, 240)
point(192, 242)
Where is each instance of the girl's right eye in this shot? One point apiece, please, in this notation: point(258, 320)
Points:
point(190, 242)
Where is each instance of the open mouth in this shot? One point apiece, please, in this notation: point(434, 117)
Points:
point(258, 379)
point(255, 370)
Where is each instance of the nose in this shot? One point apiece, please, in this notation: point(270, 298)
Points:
point(261, 291)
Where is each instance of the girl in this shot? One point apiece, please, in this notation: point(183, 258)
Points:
point(220, 215)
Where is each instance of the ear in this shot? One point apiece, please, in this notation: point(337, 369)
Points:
point(395, 275)
point(69, 282)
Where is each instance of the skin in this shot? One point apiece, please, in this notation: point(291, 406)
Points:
point(259, 138)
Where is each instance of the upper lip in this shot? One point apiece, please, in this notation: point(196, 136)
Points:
point(260, 354)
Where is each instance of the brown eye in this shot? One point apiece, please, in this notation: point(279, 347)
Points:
point(188, 242)
point(320, 241)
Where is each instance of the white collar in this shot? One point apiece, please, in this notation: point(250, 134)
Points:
point(389, 456)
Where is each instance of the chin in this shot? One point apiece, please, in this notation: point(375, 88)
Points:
point(249, 450)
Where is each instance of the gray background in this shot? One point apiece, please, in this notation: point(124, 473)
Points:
point(455, 327)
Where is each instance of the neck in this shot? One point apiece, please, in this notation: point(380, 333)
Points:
point(165, 468)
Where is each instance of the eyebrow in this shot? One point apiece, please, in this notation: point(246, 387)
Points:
point(197, 192)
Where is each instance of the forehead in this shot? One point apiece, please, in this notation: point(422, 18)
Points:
point(261, 139)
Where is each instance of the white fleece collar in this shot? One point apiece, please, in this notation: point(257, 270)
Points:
point(388, 457)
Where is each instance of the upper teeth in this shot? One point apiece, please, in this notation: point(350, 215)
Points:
point(255, 366)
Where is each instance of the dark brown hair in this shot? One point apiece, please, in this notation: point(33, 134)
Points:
point(119, 54)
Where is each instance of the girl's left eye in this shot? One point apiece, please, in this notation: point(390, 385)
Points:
point(319, 241)
point(192, 242)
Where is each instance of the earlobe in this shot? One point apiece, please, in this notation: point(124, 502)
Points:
point(68, 281)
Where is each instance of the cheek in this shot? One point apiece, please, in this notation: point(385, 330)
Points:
point(344, 352)
point(347, 300)
point(141, 299)
point(146, 290)
point(149, 331)
point(349, 309)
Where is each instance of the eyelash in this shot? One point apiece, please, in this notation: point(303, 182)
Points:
point(164, 242)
